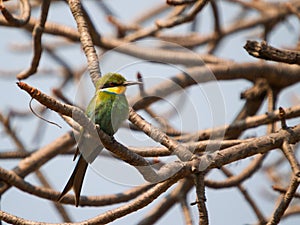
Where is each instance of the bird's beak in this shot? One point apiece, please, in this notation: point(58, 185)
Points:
point(128, 83)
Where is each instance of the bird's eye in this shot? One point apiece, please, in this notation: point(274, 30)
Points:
point(111, 84)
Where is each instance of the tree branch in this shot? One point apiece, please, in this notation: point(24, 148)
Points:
point(264, 51)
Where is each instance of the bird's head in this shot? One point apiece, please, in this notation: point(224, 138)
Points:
point(114, 83)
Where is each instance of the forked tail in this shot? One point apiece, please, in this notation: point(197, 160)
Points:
point(76, 180)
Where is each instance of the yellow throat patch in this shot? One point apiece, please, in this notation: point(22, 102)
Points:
point(116, 90)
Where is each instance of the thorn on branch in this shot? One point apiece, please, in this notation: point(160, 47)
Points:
point(194, 203)
point(282, 118)
point(195, 164)
point(141, 85)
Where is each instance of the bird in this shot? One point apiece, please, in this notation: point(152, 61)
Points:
point(109, 109)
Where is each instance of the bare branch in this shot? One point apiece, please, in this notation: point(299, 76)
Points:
point(285, 201)
point(37, 42)
point(201, 199)
point(25, 14)
point(166, 156)
point(264, 51)
point(86, 40)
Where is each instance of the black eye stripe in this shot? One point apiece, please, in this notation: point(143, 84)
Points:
point(111, 84)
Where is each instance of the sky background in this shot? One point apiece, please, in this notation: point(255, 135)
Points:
point(205, 105)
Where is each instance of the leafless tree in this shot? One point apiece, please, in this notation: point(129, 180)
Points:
point(197, 152)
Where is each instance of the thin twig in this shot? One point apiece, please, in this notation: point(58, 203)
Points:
point(37, 42)
point(186, 211)
point(25, 9)
point(242, 125)
point(41, 156)
point(285, 201)
point(248, 197)
point(167, 202)
point(284, 190)
point(48, 193)
point(86, 40)
point(232, 181)
point(40, 176)
point(174, 147)
point(290, 155)
point(201, 199)
point(272, 95)
point(279, 76)
point(167, 23)
point(138, 203)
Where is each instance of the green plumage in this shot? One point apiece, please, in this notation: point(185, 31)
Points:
point(108, 108)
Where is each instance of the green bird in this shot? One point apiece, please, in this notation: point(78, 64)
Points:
point(109, 109)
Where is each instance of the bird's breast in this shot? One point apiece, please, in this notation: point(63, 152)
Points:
point(110, 111)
